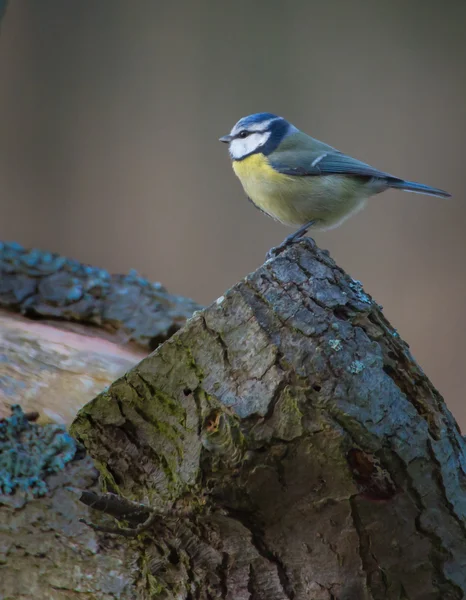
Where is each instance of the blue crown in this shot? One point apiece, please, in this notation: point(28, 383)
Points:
point(257, 118)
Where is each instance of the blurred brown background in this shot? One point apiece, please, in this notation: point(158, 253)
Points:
point(111, 110)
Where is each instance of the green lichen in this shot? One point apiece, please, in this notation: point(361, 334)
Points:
point(190, 360)
point(153, 586)
point(170, 405)
point(104, 409)
point(107, 481)
point(287, 417)
point(205, 401)
point(153, 410)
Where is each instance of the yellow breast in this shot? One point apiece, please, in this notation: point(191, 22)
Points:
point(268, 189)
point(254, 167)
point(295, 200)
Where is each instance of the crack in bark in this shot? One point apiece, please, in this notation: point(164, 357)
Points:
point(216, 335)
point(438, 548)
point(404, 366)
point(222, 571)
point(251, 590)
point(280, 360)
point(260, 298)
point(304, 302)
point(257, 540)
point(368, 561)
point(441, 486)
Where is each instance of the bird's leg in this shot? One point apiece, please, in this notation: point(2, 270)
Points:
point(289, 240)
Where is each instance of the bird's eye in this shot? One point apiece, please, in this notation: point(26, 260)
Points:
point(243, 134)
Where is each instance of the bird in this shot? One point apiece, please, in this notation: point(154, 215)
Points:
point(302, 182)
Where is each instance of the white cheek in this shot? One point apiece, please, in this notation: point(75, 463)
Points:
point(241, 147)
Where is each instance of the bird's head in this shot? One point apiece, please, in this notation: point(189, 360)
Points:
point(261, 132)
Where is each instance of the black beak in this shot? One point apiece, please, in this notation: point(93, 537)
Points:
point(226, 139)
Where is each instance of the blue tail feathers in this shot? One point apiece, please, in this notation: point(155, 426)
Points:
point(418, 188)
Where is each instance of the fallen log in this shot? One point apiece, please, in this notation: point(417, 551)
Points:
point(291, 447)
point(67, 330)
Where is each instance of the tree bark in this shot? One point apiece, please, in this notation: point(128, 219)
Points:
point(67, 330)
point(292, 446)
point(79, 329)
point(53, 288)
point(47, 554)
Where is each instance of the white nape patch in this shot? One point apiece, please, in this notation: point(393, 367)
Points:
point(240, 147)
point(317, 160)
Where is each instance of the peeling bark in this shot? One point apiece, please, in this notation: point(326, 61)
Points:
point(311, 454)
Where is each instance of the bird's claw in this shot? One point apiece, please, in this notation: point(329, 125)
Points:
point(276, 250)
point(297, 236)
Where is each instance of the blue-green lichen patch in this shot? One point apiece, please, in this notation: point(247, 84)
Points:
point(335, 345)
point(29, 453)
point(356, 367)
point(44, 285)
point(356, 287)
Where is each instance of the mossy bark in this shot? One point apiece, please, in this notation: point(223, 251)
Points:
point(308, 453)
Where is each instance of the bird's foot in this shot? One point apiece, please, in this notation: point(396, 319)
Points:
point(276, 250)
point(295, 237)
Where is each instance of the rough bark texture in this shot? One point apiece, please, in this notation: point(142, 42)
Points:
point(42, 285)
point(47, 554)
point(312, 457)
point(54, 366)
point(89, 328)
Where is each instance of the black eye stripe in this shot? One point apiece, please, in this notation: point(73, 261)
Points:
point(248, 133)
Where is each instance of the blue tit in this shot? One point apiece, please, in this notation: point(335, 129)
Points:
point(300, 181)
